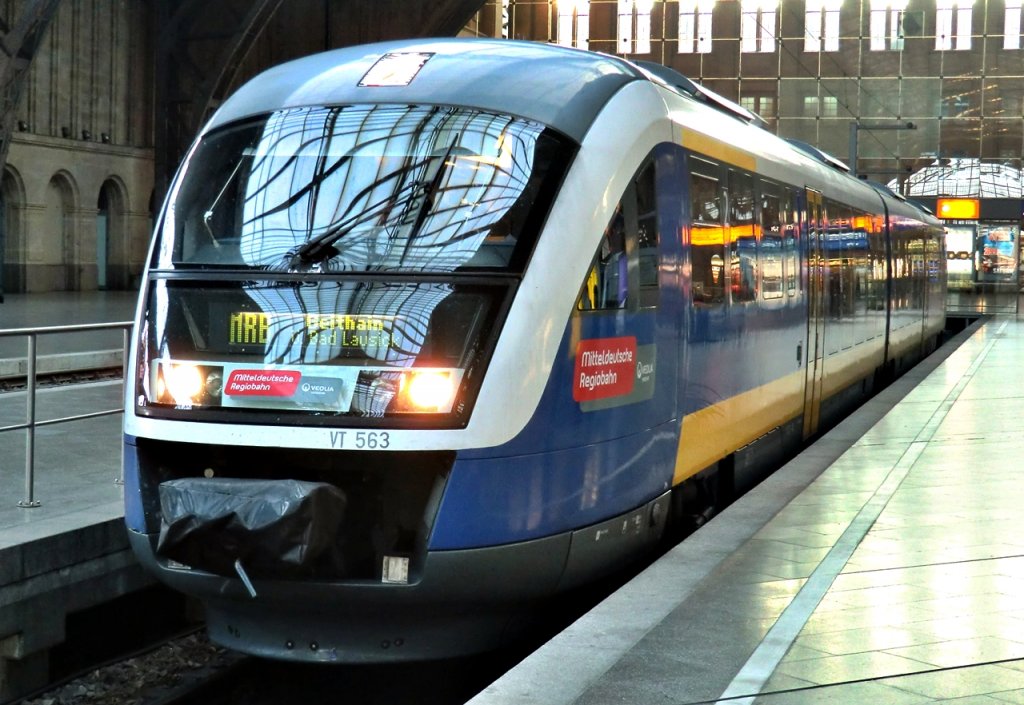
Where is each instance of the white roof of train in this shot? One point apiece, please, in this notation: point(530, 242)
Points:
point(553, 85)
point(560, 87)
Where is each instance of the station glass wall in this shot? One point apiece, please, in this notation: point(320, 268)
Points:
point(811, 68)
point(966, 101)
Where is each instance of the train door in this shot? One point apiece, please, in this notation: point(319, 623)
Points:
point(815, 347)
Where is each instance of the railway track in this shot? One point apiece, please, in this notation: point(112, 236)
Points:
point(215, 685)
point(161, 669)
point(60, 379)
point(169, 675)
point(256, 682)
point(185, 669)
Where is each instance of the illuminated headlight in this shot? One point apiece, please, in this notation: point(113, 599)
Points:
point(427, 391)
point(430, 389)
point(187, 384)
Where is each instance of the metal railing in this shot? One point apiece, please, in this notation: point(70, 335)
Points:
point(31, 367)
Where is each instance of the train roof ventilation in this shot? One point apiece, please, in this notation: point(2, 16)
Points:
point(817, 154)
point(688, 87)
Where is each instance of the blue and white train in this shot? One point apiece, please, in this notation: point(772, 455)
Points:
point(433, 330)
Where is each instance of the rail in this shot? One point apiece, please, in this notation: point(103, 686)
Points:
point(31, 365)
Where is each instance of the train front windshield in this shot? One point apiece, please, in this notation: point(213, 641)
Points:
point(342, 262)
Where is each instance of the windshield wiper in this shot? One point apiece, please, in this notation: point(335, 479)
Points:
point(322, 247)
point(209, 214)
point(429, 192)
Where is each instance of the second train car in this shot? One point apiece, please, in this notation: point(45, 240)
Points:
point(433, 330)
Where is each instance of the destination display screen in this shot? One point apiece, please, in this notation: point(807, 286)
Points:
point(345, 331)
point(342, 348)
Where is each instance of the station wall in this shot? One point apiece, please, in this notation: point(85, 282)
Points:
point(77, 189)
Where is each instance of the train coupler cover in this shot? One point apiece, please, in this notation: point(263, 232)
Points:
point(276, 528)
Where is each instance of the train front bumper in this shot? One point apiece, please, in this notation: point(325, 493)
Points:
point(465, 602)
point(460, 602)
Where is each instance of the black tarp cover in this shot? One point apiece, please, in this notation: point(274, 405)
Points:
point(274, 527)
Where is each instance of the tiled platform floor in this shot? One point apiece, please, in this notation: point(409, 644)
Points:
point(894, 576)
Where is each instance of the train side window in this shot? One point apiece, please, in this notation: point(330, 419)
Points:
point(706, 240)
point(626, 263)
point(742, 242)
point(772, 272)
point(877, 265)
point(647, 236)
point(900, 273)
point(790, 243)
point(607, 283)
point(861, 274)
point(839, 242)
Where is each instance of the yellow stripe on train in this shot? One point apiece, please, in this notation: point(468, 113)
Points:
point(714, 432)
point(717, 149)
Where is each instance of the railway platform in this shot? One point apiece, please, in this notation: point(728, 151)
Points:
point(885, 564)
point(69, 553)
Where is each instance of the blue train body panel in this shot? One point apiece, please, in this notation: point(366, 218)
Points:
point(134, 512)
point(490, 501)
point(576, 464)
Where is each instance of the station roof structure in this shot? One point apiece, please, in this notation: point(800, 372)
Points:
point(966, 177)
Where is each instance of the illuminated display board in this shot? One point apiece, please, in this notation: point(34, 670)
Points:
point(959, 208)
point(247, 328)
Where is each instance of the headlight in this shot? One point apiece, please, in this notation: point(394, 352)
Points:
point(429, 390)
point(408, 391)
point(187, 384)
point(184, 382)
point(214, 384)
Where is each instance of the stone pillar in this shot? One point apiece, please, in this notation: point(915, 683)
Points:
point(82, 225)
point(43, 249)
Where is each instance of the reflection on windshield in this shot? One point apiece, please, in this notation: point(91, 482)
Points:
point(359, 188)
point(386, 323)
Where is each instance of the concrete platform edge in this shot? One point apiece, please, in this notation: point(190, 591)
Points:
point(63, 362)
point(47, 578)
